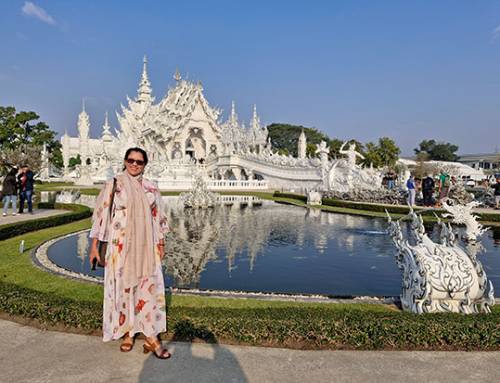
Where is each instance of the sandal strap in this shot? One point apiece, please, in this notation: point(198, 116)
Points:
point(155, 344)
point(127, 339)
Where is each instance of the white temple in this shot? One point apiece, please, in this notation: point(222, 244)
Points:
point(183, 135)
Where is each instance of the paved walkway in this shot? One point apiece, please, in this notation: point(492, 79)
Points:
point(37, 214)
point(32, 355)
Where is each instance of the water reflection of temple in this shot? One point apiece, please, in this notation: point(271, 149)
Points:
point(82, 245)
point(239, 229)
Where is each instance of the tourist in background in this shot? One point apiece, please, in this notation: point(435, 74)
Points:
point(9, 191)
point(444, 186)
point(26, 185)
point(391, 177)
point(410, 184)
point(496, 188)
point(134, 226)
point(428, 186)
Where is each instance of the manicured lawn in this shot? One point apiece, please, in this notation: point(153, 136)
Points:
point(50, 300)
point(18, 269)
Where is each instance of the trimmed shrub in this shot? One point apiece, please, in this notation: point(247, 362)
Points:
point(76, 212)
point(315, 326)
point(299, 197)
point(488, 217)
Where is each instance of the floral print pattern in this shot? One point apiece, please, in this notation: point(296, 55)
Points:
point(142, 307)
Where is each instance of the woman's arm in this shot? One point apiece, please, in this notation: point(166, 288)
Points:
point(94, 252)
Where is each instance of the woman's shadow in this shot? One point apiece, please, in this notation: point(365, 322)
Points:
point(204, 361)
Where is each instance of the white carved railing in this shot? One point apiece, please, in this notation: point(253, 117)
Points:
point(235, 184)
point(184, 184)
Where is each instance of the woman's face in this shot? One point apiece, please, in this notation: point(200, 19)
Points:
point(134, 163)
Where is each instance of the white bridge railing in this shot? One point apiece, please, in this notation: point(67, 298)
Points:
point(234, 184)
point(184, 184)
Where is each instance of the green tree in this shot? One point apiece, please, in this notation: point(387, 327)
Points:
point(334, 146)
point(21, 132)
point(73, 161)
point(372, 156)
point(388, 151)
point(311, 150)
point(283, 152)
point(286, 136)
point(438, 151)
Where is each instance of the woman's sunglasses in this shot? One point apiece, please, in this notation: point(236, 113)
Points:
point(130, 161)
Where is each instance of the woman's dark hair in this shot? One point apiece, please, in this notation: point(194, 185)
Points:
point(142, 151)
point(13, 172)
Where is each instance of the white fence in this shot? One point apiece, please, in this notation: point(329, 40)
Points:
point(233, 184)
point(174, 185)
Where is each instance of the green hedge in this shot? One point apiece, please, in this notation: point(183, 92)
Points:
point(395, 209)
point(299, 197)
point(75, 213)
point(317, 326)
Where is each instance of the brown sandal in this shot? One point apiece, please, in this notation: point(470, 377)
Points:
point(156, 349)
point(127, 343)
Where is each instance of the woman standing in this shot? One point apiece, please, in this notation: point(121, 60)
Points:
point(134, 226)
point(9, 191)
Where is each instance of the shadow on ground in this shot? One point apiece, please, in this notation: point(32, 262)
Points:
point(209, 362)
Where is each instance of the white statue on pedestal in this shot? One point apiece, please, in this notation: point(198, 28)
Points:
point(199, 196)
point(323, 152)
point(314, 198)
point(44, 171)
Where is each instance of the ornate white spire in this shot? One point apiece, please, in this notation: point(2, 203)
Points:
point(255, 119)
point(83, 122)
point(106, 129)
point(234, 117)
point(177, 75)
point(302, 145)
point(144, 93)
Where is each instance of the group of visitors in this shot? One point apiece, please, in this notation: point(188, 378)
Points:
point(428, 188)
point(439, 187)
point(18, 183)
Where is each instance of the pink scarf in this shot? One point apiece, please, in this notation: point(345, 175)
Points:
point(138, 249)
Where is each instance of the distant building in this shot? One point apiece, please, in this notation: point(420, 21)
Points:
point(486, 161)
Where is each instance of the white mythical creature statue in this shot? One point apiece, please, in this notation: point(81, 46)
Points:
point(345, 176)
point(439, 277)
point(462, 215)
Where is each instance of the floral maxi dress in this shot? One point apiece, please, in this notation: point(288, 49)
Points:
point(140, 308)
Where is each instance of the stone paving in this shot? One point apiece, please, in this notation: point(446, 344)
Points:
point(37, 214)
point(32, 355)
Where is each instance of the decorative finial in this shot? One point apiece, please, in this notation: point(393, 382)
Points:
point(83, 104)
point(106, 123)
point(177, 75)
point(144, 92)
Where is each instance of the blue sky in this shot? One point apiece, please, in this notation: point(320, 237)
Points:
point(353, 69)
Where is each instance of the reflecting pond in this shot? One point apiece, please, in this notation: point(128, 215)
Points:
point(245, 244)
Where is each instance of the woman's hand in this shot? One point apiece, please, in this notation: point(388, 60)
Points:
point(161, 249)
point(94, 252)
